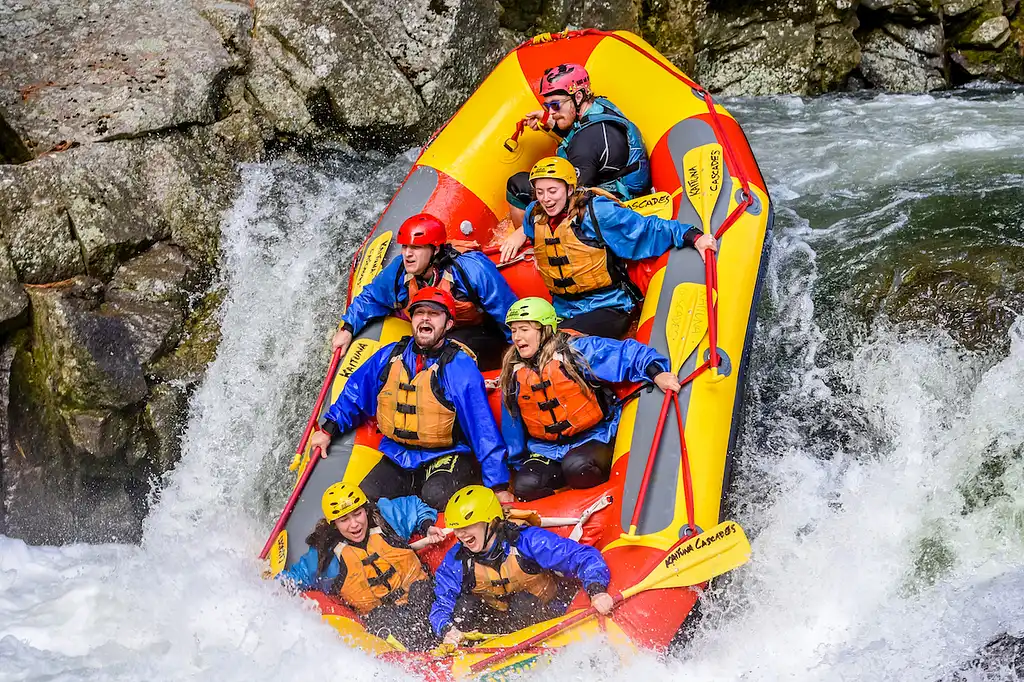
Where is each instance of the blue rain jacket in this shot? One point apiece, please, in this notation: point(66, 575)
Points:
point(404, 514)
point(474, 274)
point(551, 552)
point(463, 385)
point(611, 361)
point(630, 236)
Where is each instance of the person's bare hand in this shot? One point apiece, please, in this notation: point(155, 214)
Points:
point(705, 243)
point(667, 381)
point(602, 603)
point(342, 339)
point(319, 439)
point(535, 119)
point(512, 244)
point(435, 535)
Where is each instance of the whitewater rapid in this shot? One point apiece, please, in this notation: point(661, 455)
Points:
point(858, 440)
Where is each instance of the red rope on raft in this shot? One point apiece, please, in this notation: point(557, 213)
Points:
point(658, 430)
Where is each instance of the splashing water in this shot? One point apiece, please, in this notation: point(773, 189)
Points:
point(879, 470)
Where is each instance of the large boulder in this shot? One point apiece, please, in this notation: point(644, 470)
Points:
point(88, 358)
point(801, 47)
point(902, 59)
point(90, 208)
point(151, 294)
point(13, 301)
point(369, 69)
point(105, 70)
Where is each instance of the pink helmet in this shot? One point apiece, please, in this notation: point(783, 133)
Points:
point(564, 78)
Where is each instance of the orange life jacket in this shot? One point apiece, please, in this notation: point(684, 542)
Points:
point(494, 587)
point(379, 574)
point(467, 314)
point(417, 412)
point(553, 406)
point(573, 266)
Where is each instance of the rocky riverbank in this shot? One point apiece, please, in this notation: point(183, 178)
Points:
point(122, 124)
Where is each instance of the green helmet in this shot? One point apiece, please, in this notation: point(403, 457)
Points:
point(533, 309)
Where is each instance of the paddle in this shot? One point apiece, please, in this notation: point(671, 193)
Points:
point(297, 459)
point(690, 561)
point(703, 171)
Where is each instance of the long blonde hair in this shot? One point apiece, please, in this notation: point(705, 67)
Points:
point(551, 343)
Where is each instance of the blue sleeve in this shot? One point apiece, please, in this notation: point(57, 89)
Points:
point(377, 299)
point(465, 387)
point(447, 588)
point(405, 514)
point(528, 221)
point(358, 399)
point(488, 285)
point(514, 433)
point(303, 572)
point(568, 557)
point(633, 236)
point(613, 361)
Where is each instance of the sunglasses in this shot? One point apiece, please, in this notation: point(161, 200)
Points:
point(556, 105)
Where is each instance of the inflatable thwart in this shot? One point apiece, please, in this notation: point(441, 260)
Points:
point(657, 520)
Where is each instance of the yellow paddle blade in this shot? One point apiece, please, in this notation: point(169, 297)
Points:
point(372, 262)
point(703, 173)
point(659, 204)
point(699, 559)
point(279, 552)
point(687, 322)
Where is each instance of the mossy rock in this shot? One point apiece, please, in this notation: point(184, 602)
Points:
point(198, 348)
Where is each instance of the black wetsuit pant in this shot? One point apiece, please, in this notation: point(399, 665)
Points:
point(409, 623)
point(434, 482)
point(583, 467)
point(486, 340)
point(610, 323)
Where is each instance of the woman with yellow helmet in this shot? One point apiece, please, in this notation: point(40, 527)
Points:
point(581, 238)
point(359, 552)
point(559, 415)
point(499, 577)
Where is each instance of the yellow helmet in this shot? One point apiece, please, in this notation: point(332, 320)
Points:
point(554, 167)
point(472, 504)
point(340, 499)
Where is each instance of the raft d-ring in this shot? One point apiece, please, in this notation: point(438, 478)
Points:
point(724, 365)
point(512, 145)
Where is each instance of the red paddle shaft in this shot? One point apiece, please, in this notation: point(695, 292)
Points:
point(567, 623)
point(642, 493)
point(539, 637)
point(711, 278)
point(314, 458)
point(335, 359)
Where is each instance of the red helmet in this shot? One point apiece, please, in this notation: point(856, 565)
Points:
point(422, 229)
point(564, 79)
point(436, 297)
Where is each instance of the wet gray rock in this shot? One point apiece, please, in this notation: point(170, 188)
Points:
point(892, 65)
point(801, 47)
point(990, 34)
point(957, 8)
point(911, 10)
point(391, 68)
point(165, 414)
point(13, 301)
point(356, 82)
point(35, 224)
point(109, 69)
point(151, 294)
point(87, 359)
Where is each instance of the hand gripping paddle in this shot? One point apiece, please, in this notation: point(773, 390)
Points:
point(691, 561)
